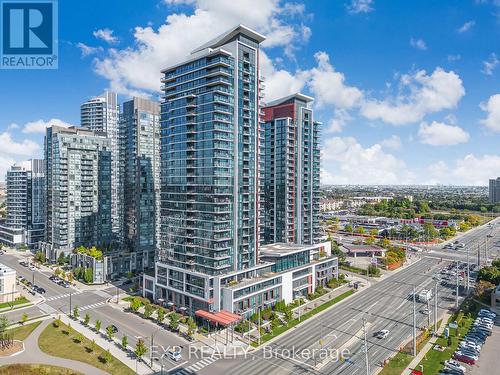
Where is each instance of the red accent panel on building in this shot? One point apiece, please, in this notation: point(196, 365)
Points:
point(279, 111)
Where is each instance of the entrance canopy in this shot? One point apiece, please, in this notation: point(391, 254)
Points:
point(222, 317)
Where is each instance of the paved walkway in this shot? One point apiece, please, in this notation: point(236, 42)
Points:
point(33, 354)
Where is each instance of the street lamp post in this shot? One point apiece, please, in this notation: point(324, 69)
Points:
point(435, 307)
point(414, 324)
point(456, 288)
point(367, 363)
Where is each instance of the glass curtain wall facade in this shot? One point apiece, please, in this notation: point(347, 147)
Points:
point(140, 155)
point(209, 152)
point(77, 188)
point(101, 114)
point(291, 172)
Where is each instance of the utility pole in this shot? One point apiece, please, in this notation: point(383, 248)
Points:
point(428, 313)
point(468, 271)
point(456, 288)
point(435, 307)
point(478, 256)
point(414, 324)
point(70, 303)
point(367, 363)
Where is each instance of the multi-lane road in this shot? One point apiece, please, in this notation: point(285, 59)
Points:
point(385, 305)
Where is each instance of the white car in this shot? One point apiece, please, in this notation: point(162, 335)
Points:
point(382, 334)
point(425, 311)
point(455, 365)
point(32, 268)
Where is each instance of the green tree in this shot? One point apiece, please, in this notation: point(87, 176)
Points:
point(97, 325)
point(92, 345)
point(40, 257)
point(348, 228)
point(491, 274)
point(124, 342)
point(373, 232)
point(88, 276)
point(61, 259)
point(106, 356)
point(140, 348)
point(24, 318)
point(109, 332)
point(191, 326)
point(148, 310)
point(370, 240)
point(360, 230)
point(4, 323)
point(160, 315)
point(86, 319)
point(174, 321)
point(135, 304)
point(288, 315)
point(79, 337)
point(76, 313)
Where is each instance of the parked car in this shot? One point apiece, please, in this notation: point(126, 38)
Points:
point(459, 356)
point(455, 365)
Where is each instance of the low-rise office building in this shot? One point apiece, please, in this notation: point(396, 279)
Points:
point(285, 272)
point(8, 291)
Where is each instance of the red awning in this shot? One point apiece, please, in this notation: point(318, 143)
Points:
point(222, 317)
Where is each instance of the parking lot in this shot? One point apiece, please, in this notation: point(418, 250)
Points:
point(488, 362)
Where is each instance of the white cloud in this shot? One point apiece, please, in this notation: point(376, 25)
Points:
point(427, 94)
point(469, 170)
point(39, 126)
point(466, 26)
point(452, 58)
point(360, 6)
point(88, 50)
point(394, 142)
point(418, 44)
point(490, 65)
point(156, 49)
point(440, 134)
point(348, 162)
point(492, 108)
point(328, 85)
point(12, 126)
point(106, 35)
point(11, 147)
point(5, 163)
point(340, 118)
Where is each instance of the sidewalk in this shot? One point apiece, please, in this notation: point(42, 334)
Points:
point(414, 363)
point(113, 346)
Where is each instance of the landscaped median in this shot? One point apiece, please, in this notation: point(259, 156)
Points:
point(292, 323)
point(28, 369)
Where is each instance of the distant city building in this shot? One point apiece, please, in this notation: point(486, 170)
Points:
point(25, 220)
point(8, 290)
point(140, 176)
point(494, 190)
point(101, 114)
point(291, 171)
point(78, 189)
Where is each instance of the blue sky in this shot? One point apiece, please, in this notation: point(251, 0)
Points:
point(406, 90)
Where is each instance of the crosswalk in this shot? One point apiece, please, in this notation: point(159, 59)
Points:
point(60, 296)
point(196, 366)
point(93, 306)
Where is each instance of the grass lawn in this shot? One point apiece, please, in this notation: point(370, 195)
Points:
point(18, 301)
point(400, 361)
point(22, 332)
point(280, 329)
point(17, 369)
point(433, 361)
point(61, 342)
